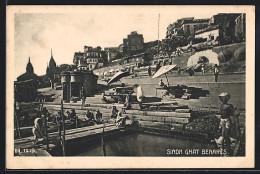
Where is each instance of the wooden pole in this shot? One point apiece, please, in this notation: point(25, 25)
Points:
point(16, 121)
point(15, 114)
point(103, 142)
point(46, 130)
point(63, 127)
point(158, 34)
point(76, 121)
point(167, 80)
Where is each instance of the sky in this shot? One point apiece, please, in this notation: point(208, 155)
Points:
point(35, 34)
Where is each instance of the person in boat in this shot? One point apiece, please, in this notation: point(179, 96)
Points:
point(226, 111)
point(149, 71)
point(216, 72)
point(127, 103)
point(114, 112)
point(120, 120)
point(139, 95)
point(161, 84)
point(73, 114)
point(45, 112)
point(74, 117)
point(99, 117)
point(91, 118)
point(90, 115)
point(69, 114)
point(38, 134)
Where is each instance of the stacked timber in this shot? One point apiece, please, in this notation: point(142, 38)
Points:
point(204, 124)
point(158, 116)
point(161, 120)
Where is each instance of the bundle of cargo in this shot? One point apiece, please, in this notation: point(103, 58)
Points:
point(169, 107)
point(204, 124)
point(175, 127)
point(185, 92)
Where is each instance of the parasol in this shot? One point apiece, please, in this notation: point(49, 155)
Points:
point(164, 70)
point(118, 76)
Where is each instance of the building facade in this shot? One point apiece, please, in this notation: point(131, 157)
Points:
point(185, 27)
point(74, 81)
point(189, 26)
point(210, 33)
point(90, 59)
point(53, 71)
point(224, 28)
point(133, 42)
point(111, 53)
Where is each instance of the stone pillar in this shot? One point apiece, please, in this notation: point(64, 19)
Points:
point(65, 81)
point(75, 85)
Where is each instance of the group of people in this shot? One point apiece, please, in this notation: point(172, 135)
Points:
point(149, 69)
point(117, 115)
point(92, 120)
point(191, 71)
point(39, 129)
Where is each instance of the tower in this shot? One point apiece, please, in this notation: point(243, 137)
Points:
point(29, 67)
point(52, 63)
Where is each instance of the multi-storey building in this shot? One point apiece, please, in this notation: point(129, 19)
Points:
point(111, 53)
point(133, 42)
point(189, 26)
point(90, 59)
point(223, 26)
point(240, 28)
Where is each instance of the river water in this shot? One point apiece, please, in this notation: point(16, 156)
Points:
point(149, 145)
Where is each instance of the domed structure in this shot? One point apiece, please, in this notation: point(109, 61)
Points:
point(29, 67)
point(29, 74)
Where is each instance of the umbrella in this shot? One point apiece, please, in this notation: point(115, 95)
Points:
point(164, 70)
point(118, 76)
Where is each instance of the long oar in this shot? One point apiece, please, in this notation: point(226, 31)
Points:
point(103, 142)
point(63, 127)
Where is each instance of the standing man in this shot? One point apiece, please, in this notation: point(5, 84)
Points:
point(216, 72)
point(139, 95)
point(149, 71)
point(83, 98)
point(38, 134)
point(203, 68)
point(157, 67)
point(226, 111)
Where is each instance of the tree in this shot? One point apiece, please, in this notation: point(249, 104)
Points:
point(150, 54)
point(170, 45)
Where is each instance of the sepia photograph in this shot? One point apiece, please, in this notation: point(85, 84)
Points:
point(110, 84)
